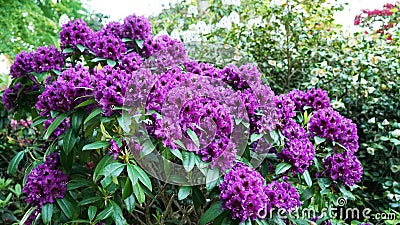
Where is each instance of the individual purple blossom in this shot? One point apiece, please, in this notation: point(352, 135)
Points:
point(110, 86)
point(343, 167)
point(61, 129)
point(299, 153)
point(243, 192)
point(284, 108)
point(45, 183)
point(22, 65)
point(75, 33)
point(131, 62)
point(282, 195)
point(114, 149)
point(293, 130)
point(46, 59)
point(317, 99)
point(299, 99)
point(136, 27)
point(107, 46)
point(203, 69)
point(70, 89)
point(328, 123)
point(220, 153)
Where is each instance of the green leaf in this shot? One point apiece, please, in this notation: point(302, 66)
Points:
point(69, 141)
point(307, 178)
point(324, 183)
point(68, 50)
point(198, 197)
point(138, 191)
point(255, 137)
point(66, 207)
point(97, 60)
point(86, 103)
point(213, 212)
point(111, 63)
point(117, 214)
point(130, 203)
point(77, 183)
point(345, 192)
point(38, 121)
point(96, 145)
point(55, 124)
point(148, 147)
point(92, 115)
point(306, 194)
point(139, 43)
point(27, 214)
point(47, 213)
point(144, 179)
point(188, 160)
point(104, 214)
point(177, 153)
point(282, 167)
point(319, 140)
point(127, 190)
point(126, 40)
point(212, 178)
point(12, 167)
point(100, 166)
point(81, 48)
point(184, 191)
point(90, 200)
point(132, 174)
point(113, 169)
point(92, 212)
point(194, 137)
point(180, 143)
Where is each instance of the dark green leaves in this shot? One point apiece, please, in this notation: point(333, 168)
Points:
point(47, 213)
point(69, 141)
point(184, 191)
point(55, 124)
point(12, 167)
point(307, 178)
point(213, 212)
point(282, 167)
point(96, 145)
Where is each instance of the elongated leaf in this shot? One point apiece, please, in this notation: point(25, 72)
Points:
point(212, 178)
point(80, 47)
point(100, 166)
point(213, 212)
point(194, 137)
point(104, 214)
point(92, 115)
point(188, 160)
point(47, 213)
point(113, 169)
point(27, 214)
point(66, 207)
point(96, 145)
point(177, 153)
point(90, 200)
point(184, 191)
point(198, 197)
point(69, 141)
point(127, 190)
point(12, 167)
point(132, 174)
point(111, 63)
point(148, 147)
point(307, 178)
point(282, 167)
point(144, 179)
point(55, 124)
point(97, 60)
point(68, 50)
point(117, 214)
point(92, 212)
point(130, 203)
point(138, 191)
point(38, 121)
point(86, 103)
point(319, 140)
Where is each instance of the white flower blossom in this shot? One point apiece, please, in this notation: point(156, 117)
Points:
point(372, 120)
point(395, 168)
point(314, 80)
point(192, 11)
point(385, 122)
point(371, 151)
point(63, 20)
point(231, 2)
point(234, 17)
point(175, 34)
point(225, 23)
point(396, 133)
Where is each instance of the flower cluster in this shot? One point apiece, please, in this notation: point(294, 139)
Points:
point(114, 149)
point(75, 33)
point(243, 192)
point(22, 64)
point(46, 59)
point(131, 62)
point(109, 88)
point(45, 183)
point(107, 46)
point(314, 98)
point(136, 27)
point(11, 95)
point(328, 123)
point(299, 153)
point(282, 195)
point(66, 92)
point(344, 167)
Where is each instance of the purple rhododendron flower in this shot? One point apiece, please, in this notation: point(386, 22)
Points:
point(136, 27)
point(344, 167)
point(328, 123)
point(107, 46)
point(282, 195)
point(114, 149)
point(243, 192)
point(130, 62)
point(299, 153)
point(46, 59)
point(45, 183)
point(75, 33)
point(22, 65)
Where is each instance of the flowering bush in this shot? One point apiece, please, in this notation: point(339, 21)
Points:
point(134, 131)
